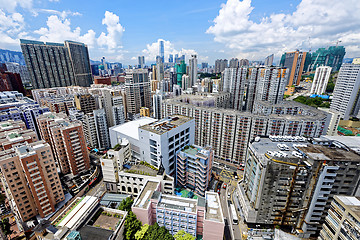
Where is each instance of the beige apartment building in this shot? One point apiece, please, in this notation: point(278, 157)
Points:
point(67, 140)
point(30, 180)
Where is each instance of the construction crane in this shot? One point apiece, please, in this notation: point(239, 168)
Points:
point(337, 42)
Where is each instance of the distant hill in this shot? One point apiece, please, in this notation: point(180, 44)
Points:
point(11, 56)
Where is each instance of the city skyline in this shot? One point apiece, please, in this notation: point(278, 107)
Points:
point(219, 29)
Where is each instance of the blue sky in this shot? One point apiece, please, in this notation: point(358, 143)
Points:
point(210, 28)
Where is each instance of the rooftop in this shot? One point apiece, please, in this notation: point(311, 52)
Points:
point(178, 203)
point(131, 128)
point(213, 208)
point(164, 125)
point(142, 169)
point(352, 203)
point(144, 198)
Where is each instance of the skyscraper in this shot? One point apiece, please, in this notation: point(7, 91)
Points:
point(220, 65)
point(56, 64)
point(234, 63)
point(141, 61)
point(234, 82)
point(346, 96)
point(295, 62)
point(269, 60)
point(171, 58)
point(180, 71)
point(101, 129)
point(159, 68)
point(137, 87)
point(157, 105)
point(321, 78)
point(193, 69)
point(161, 50)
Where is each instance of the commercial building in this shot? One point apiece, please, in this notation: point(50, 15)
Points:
point(141, 61)
point(229, 131)
point(193, 70)
point(161, 50)
point(220, 65)
point(137, 87)
point(102, 80)
point(180, 71)
point(130, 131)
point(291, 182)
point(296, 63)
point(30, 180)
point(85, 102)
point(332, 57)
point(112, 162)
point(346, 97)
point(202, 216)
point(321, 79)
point(342, 220)
point(193, 168)
point(67, 141)
point(56, 64)
point(161, 140)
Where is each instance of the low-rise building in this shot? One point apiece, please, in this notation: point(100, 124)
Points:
point(343, 219)
point(202, 216)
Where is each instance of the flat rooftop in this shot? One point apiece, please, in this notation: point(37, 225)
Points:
point(352, 203)
point(142, 170)
point(178, 203)
point(319, 152)
point(145, 196)
point(131, 128)
point(164, 125)
point(213, 207)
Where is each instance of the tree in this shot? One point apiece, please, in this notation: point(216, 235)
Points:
point(126, 204)
point(182, 235)
point(5, 226)
point(155, 232)
point(139, 235)
point(132, 225)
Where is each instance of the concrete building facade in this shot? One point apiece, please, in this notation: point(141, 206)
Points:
point(30, 180)
point(321, 79)
point(346, 96)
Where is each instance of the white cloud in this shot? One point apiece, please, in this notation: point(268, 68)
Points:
point(11, 5)
point(152, 50)
point(11, 29)
point(324, 21)
point(62, 14)
point(58, 30)
point(112, 39)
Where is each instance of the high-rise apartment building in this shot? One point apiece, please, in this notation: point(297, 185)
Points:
point(137, 87)
point(193, 70)
point(220, 65)
point(296, 63)
point(67, 141)
point(56, 64)
point(193, 168)
point(291, 182)
point(234, 80)
point(346, 96)
point(85, 102)
point(234, 63)
point(141, 61)
point(258, 83)
point(89, 126)
point(30, 179)
point(229, 131)
point(102, 130)
point(185, 82)
point(244, 62)
point(157, 105)
point(342, 220)
point(80, 61)
point(320, 81)
point(161, 140)
point(269, 60)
